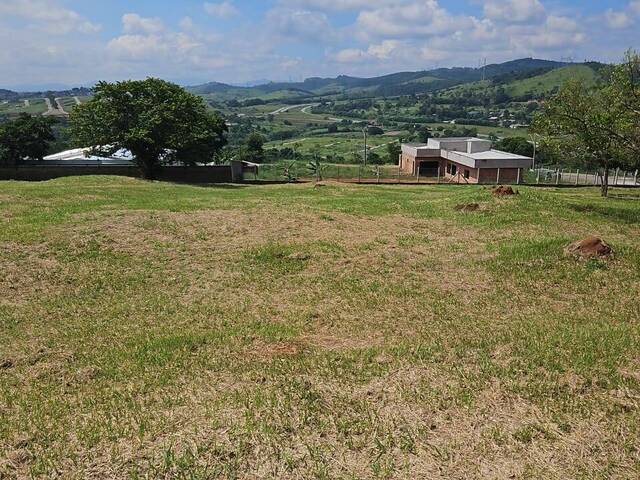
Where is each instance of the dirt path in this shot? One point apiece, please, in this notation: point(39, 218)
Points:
point(60, 105)
point(57, 111)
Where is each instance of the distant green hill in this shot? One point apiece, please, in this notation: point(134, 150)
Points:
point(401, 83)
point(549, 82)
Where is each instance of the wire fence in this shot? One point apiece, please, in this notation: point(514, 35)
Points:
point(562, 176)
point(354, 173)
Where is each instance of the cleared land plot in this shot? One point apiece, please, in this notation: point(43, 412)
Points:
point(500, 132)
point(345, 144)
point(36, 106)
point(291, 331)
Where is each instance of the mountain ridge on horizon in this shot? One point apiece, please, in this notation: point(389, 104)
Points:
point(402, 82)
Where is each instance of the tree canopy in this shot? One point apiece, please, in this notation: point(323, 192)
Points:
point(599, 126)
point(25, 137)
point(517, 145)
point(159, 122)
point(252, 150)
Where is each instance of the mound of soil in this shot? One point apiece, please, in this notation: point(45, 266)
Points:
point(591, 246)
point(503, 191)
point(467, 207)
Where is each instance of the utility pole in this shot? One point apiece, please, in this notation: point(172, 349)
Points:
point(364, 131)
point(535, 148)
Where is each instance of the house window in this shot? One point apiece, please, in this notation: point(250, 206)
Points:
point(466, 174)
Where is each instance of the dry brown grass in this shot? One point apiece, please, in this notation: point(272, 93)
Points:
point(271, 342)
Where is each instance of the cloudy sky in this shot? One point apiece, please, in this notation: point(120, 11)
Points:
point(72, 42)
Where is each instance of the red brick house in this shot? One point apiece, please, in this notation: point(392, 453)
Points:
point(463, 160)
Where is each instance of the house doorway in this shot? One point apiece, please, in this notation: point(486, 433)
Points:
point(429, 169)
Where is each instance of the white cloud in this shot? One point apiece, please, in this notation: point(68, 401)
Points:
point(341, 5)
point(414, 19)
point(134, 23)
point(47, 15)
point(359, 37)
point(222, 10)
point(304, 25)
point(514, 11)
point(617, 19)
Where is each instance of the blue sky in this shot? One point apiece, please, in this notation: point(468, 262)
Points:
point(73, 42)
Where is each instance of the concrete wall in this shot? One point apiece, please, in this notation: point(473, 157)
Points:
point(214, 174)
point(459, 177)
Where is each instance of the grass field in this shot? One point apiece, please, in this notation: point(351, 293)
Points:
point(346, 144)
point(36, 106)
point(152, 330)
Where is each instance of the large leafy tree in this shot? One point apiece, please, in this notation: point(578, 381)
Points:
point(25, 137)
point(624, 94)
point(159, 122)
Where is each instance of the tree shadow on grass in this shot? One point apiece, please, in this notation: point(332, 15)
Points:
point(626, 213)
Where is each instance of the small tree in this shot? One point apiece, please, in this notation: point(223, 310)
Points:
point(157, 121)
point(424, 134)
point(315, 168)
point(374, 159)
point(584, 122)
point(25, 137)
point(254, 148)
point(393, 152)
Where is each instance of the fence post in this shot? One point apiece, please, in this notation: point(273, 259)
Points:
point(398, 173)
point(557, 176)
point(438, 174)
point(577, 177)
point(418, 175)
point(378, 173)
point(615, 181)
point(624, 179)
point(538, 177)
point(635, 178)
point(498, 177)
point(518, 181)
point(595, 178)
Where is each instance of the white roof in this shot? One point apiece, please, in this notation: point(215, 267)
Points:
point(494, 155)
point(470, 151)
point(84, 154)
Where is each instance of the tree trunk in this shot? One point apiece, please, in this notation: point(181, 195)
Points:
point(147, 169)
point(604, 188)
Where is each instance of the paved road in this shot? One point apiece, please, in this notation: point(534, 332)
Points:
point(302, 107)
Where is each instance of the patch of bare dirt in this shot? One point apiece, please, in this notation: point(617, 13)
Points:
point(28, 272)
point(590, 246)
point(275, 349)
point(467, 207)
point(502, 191)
